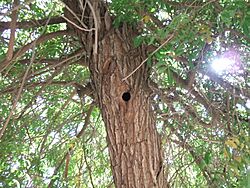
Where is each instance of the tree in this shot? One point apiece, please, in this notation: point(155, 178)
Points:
point(138, 73)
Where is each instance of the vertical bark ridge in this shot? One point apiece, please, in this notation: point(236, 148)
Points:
point(134, 145)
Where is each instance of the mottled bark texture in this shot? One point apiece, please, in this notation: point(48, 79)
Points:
point(133, 142)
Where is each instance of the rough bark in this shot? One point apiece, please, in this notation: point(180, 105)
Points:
point(134, 145)
point(133, 142)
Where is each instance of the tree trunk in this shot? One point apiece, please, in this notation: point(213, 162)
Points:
point(133, 142)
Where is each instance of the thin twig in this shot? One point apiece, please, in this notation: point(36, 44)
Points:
point(15, 101)
point(19, 91)
point(37, 84)
point(17, 7)
point(77, 26)
point(71, 148)
point(74, 14)
point(5, 63)
point(88, 167)
point(163, 44)
point(96, 26)
point(83, 8)
point(32, 23)
point(50, 67)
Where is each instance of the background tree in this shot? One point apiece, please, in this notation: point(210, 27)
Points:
point(166, 82)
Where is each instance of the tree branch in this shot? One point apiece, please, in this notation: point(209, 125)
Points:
point(168, 100)
point(234, 90)
point(37, 84)
point(83, 90)
point(5, 63)
point(71, 148)
point(32, 23)
point(15, 103)
point(185, 84)
point(88, 167)
point(80, 61)
point(197, 158)
point(12, 31)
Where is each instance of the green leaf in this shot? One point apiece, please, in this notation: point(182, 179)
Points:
point(246, 25)
point(151, 40)
point(202, 164)
point(138, 41)
point(149, 61)
point(207, 157)
point(227, 15)
point(170, 77)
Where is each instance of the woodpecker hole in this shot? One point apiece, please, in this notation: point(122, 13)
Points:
point(126, 96)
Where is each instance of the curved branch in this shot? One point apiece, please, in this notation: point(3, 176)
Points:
point(80, 52)
point(5, 63)
point(186, 85)
point(71, 148)
point(83, 91)
point(15, 102)
point(234, 90)
point(199, 160)
point(37, 84)
point(168, 101)
point(32, 23)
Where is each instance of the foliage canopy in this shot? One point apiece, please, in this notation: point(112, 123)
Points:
point(199, 73)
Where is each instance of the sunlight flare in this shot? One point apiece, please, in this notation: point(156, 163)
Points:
point(229, 62)
point(222, 64)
